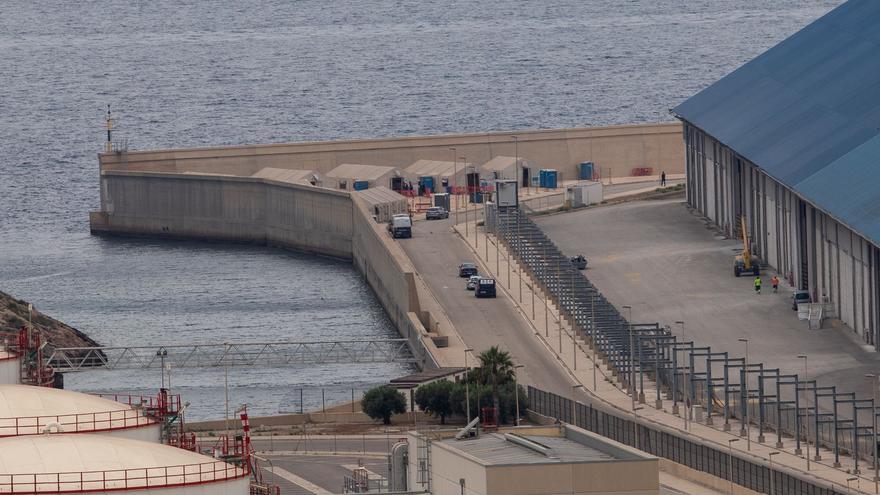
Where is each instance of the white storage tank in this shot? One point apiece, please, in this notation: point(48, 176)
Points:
point(10, 367)
point(92, 464)
point(29, 410)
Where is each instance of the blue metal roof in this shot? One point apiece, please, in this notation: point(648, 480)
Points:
point(807, 112)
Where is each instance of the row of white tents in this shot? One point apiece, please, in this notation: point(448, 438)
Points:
point(433, 174)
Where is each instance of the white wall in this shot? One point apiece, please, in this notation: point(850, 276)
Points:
point(10, 371)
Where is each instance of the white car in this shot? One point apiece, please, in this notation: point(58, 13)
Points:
point(473, 281)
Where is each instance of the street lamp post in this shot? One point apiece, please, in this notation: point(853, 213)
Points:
point(454, 182)
point(226, 383)
point(516, 392)
point(632, 358)
point(162, 353)
point(807, 436)
point(730, 462)
point(772, 478)
point(593, 337)
point(848, 480)
point(635, 426)
point(574, 403)
point(467, 386)
point(516, 155)
point(687, 376)
point(745, 422)
point(467, 196)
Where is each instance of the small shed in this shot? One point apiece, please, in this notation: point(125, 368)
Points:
point(383, 202)
point(353, 177)
point(436, 176)
point(504, 167)
point(305, 177)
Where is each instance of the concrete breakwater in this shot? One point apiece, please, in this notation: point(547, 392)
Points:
point(209, 194)
point(616, 151)
point(266, 212)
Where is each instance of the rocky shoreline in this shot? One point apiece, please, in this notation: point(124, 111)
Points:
point(14, 315)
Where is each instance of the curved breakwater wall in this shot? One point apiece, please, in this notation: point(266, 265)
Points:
point(265, 212)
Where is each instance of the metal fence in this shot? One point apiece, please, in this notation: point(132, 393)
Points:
point(723, 385)
point(676, 448)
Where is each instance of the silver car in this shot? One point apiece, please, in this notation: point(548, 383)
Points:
point(473, 281)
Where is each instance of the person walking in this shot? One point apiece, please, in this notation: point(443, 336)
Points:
point(663, 178)
point(775, 282)
point(758, 285)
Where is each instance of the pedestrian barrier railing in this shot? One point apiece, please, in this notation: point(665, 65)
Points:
point(121, 479)
point(722, 385)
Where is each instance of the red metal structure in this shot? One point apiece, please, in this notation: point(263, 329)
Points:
point(34, 370)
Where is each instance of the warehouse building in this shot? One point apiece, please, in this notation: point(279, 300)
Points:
point(790, 141)
point(526, 461)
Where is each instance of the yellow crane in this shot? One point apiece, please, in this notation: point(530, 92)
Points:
point(745, 262)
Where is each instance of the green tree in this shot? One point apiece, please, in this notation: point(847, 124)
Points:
point(381, 402)
point(435, 398)
point(496, 368)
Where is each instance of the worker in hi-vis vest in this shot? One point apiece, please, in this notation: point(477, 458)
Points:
point(758, 285)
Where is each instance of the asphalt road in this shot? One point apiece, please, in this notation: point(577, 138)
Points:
point(436, 252)
point(663, 261)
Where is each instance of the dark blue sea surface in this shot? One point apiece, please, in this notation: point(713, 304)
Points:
point(195, 73)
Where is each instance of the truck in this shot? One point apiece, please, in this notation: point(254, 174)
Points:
point(400, 226)
point(485, 288)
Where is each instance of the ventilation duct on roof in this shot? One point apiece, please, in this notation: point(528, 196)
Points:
point(530, 444)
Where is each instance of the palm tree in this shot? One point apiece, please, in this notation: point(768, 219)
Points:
point(495, 367)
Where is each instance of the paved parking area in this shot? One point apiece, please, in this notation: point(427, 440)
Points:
point(665, 262)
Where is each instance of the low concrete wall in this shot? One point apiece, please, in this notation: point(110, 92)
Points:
point(615, 150)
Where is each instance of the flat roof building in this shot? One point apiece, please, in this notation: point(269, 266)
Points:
point(789, 141)
point(528, 461)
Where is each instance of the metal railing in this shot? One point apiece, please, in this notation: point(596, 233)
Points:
point(270, 354)
point(722, 384)
point(121, 479)
point(75, 423)
point(144, 411)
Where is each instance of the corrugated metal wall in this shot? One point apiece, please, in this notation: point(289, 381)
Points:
point(808, 248)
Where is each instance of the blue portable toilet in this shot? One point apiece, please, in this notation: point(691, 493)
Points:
point(427, 182)
point(548, 178)
point(476, 197)
point(360, 185)
point(551, 179)
point(585, 171)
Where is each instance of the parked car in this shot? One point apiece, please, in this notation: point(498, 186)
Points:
point(436, 213)
point(485, 287)
point(473, 281)
point(579, 262)
point(799, 297)
point(467, 269)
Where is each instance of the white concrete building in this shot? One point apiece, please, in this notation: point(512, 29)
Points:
point(92, 464)
point(27, 410)
point(528, 461)
point(790, 141)
point(10, 367)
